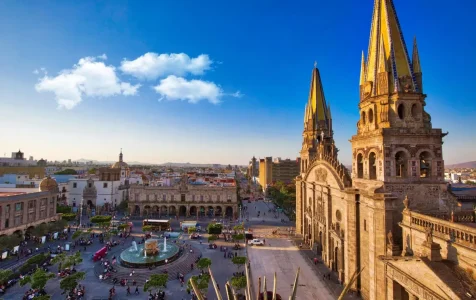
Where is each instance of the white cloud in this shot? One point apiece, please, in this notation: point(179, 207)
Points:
point(86, 78)
point(151, 65)
point(178, 88)
point(237, 94)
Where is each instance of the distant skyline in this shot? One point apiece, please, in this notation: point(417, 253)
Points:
point(217, 82)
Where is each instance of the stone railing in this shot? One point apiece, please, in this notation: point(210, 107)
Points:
point(466, 216)
point(446, 230)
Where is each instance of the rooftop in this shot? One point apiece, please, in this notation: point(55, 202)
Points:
point(7, 194)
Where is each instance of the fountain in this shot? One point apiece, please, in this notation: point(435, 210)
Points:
point(148, 254)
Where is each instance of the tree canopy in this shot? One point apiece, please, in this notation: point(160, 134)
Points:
point(204, 263)
point(70, 282)
point(156, 281)
point(38, 279)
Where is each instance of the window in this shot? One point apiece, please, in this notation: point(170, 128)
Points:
point(401, 111)
point(360, 165)
point(18, 206)
point(75, 185)
point(372, 166)
point(104, 185)
point(425, 165)
point(371, 116)
point(400, 164)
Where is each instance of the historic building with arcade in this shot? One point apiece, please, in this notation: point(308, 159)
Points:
point(391, 216)
point(184, 198)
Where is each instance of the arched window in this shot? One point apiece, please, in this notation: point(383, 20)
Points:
point(400, 164)
point(425, 165)
point(360, 166)
point(371, 116)
point(372, 166)
point(401, 111)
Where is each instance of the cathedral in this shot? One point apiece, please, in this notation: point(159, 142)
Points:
point(391, 216)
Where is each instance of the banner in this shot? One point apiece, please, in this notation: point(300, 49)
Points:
point(55, 235)
point(15, 249)
point(43, 239)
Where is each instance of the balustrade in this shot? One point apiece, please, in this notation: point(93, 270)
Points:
point(458, 233)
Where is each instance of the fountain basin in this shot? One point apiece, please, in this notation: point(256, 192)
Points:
point(137, 259)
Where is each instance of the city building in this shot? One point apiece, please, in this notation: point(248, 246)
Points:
point(184, 197)
point(271, 171)
point(103, 191)
point(20, 211)
point(391, 216)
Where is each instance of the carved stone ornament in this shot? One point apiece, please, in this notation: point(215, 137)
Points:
point(406, 83)
point(367, 88)
point(406, 202)
point(321, 175)
point(390, 238)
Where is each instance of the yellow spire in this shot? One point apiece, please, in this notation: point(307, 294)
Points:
point(415, 58)
point(386, 36)
point(316, 97)
point(362, 69)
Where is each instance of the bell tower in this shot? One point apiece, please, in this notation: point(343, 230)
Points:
point(395, 141)
point(317, 134)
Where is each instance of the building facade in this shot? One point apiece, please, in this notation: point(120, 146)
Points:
point(20, 211)
point(183, 199)
point(391, 216)
point(271, 171)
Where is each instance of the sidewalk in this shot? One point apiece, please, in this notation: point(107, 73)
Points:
point(321, 270)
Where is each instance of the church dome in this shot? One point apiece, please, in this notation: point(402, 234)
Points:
point(120, 165)
point(48, 184)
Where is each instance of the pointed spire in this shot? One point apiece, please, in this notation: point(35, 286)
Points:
point(415, 58)
point(385, 35)
point(317, 101)
point(382, 61)
point(362, 69)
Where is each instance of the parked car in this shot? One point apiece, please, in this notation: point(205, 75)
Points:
point(256, 242)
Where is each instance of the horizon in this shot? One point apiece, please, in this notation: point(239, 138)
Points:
point(217, 83)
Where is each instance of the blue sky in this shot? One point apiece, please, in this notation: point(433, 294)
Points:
point(246, 66)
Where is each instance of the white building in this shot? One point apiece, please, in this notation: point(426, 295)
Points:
point(17, 160)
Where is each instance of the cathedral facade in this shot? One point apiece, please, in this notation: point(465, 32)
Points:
point(391, 215)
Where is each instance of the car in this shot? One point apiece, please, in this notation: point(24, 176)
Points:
point(256, 242)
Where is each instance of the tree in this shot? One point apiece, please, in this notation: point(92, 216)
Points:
point(156, 281)
point(38, 279)
point(147, 228)
point(66, 261)
point(67, 172)
point(70, 282)
point(238, 282)
point(201, 281)
point(77, 234)
point(204, 263)
point(239, 261)
point(5, 276)
point(69, 217)
point(212, 238)
point(192, 230)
